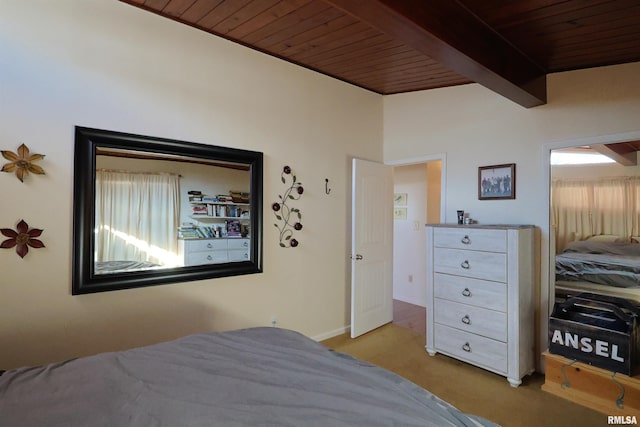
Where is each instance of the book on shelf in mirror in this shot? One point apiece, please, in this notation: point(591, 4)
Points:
point(200, 232)
point(234, 228)
point(233, 197)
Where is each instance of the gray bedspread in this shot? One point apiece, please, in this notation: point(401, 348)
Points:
point(249, 377)
point(605, 263)
point(106, 267)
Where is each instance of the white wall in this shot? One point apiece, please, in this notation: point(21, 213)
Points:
point(476, 127)
point(105, 64)
point(409, 248)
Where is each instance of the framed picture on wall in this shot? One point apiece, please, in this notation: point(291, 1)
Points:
point(400, 199)
point(400, 213)
point(497, 182)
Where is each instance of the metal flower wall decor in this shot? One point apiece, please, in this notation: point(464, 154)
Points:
point(289, 217)
point(22, 162)
point(21, 238)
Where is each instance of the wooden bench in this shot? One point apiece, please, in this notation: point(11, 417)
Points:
point(604, 391)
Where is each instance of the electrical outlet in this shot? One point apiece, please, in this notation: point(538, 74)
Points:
point(274, 321)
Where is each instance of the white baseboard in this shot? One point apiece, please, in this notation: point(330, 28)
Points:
point(331, 334)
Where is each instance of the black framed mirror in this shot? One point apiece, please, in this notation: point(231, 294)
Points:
point(150, 211)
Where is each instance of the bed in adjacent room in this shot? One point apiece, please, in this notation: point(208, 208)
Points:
point(614, 264)
point(256, 376)
point(592, 265)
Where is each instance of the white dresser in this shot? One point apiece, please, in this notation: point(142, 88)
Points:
point(238, 249)
point(480, 296)
point(213, 251)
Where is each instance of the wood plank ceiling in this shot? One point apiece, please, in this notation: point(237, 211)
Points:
point(396, 46)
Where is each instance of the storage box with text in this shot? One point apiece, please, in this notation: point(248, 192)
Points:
point(601, 331)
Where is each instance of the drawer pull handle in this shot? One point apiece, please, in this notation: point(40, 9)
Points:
point(466, 319)
point(465, 265)
point(466, 347)
point(466, 240)
point(209, 245)
point(466, 292)
point(209, 257)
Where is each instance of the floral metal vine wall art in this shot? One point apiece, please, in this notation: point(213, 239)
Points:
point(22, 162)
point(289, 217)
point(21, 238)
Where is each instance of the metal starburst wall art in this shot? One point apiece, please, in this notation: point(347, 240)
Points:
point(21, 238)
point(289, 217)
point(22, 162)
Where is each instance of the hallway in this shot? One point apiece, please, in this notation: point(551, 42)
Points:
point(410, 316)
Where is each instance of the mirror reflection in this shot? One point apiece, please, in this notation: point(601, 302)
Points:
point(155, 211)
point(150, 211)
point(595, 217)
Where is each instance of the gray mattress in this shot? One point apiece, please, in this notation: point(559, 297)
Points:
point(249, 377)
point(605, 263)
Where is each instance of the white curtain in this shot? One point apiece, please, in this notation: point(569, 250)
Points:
point(137, 217)
point(581, 208)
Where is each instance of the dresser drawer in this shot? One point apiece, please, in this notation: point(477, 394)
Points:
point(470, 238)
point(474, 264)
point(206, 257)
point(469, 318)
point(236, 255)
point(481, 293)
point(481, 351)
point(238, 243)
point(199, 245)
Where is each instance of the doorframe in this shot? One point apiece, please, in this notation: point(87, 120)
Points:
point(443, 174)
point(442, 157)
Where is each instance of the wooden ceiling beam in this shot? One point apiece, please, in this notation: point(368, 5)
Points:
point(447, 32)
point(621, 156)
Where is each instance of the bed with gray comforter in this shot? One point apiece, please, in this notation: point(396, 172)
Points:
point(248, 377)
point(606, 263)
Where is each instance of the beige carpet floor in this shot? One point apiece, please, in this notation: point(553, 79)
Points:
point(470, 389)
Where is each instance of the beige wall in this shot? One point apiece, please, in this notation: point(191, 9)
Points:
point(105, 64)
point(475, 127)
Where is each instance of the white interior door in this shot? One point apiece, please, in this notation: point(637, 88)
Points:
point(371, 247)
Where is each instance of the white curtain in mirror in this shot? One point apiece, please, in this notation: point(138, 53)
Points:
point(582, 208)
point(137, 217)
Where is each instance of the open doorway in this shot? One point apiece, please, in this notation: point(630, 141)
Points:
point(418, 189)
